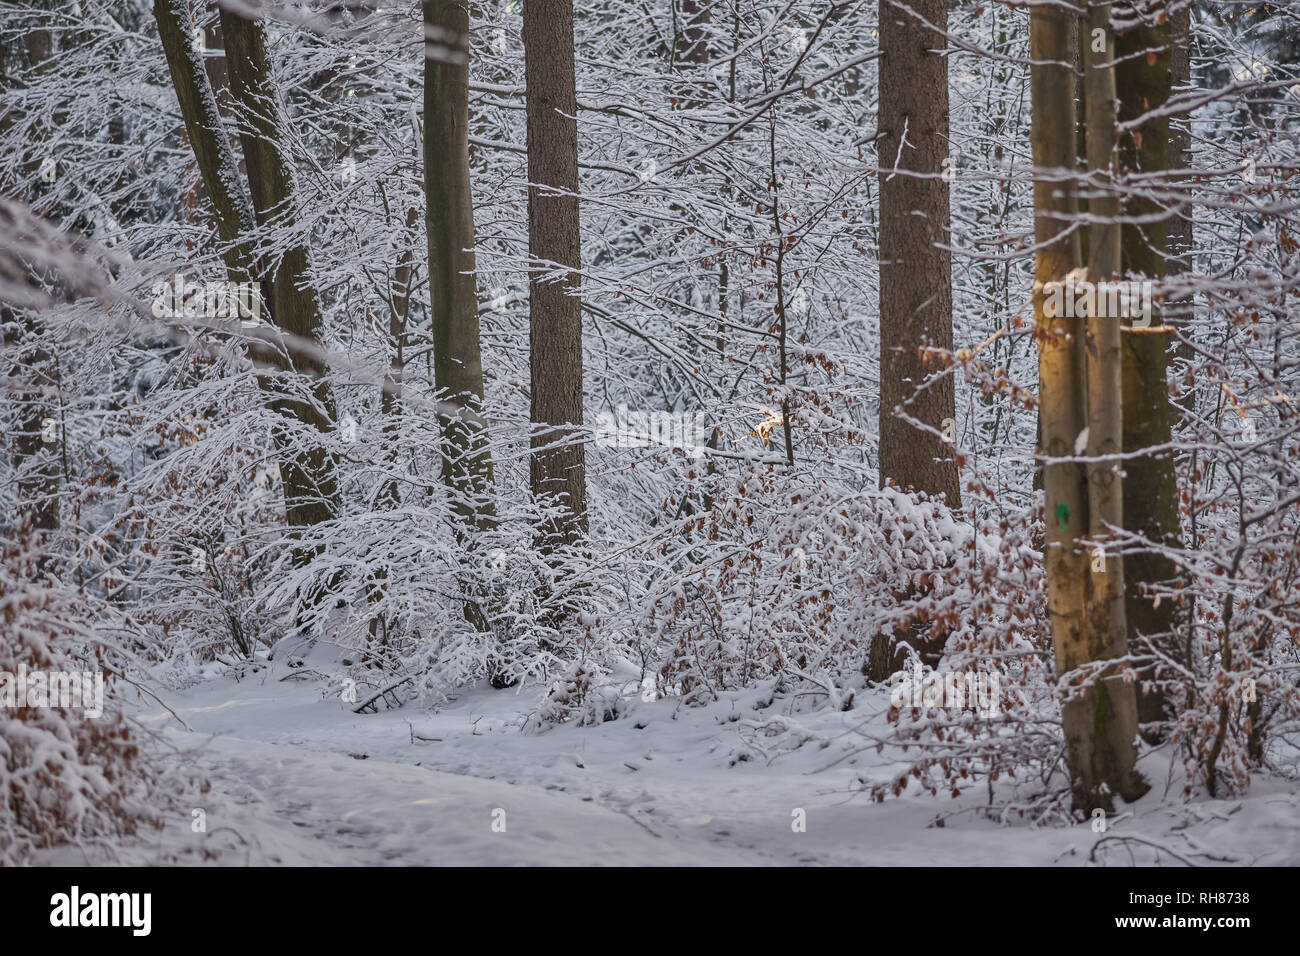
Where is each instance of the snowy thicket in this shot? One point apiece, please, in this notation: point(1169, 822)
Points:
point(66, 772)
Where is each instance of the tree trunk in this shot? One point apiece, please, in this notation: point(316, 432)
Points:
point(691, 32)
point(309, 473)
point(458, 366)
point(309, 468)
point(915, 269)
point(1060, 334)
point(199, 109)
point(390, 392)
point(1079, 380)
point(557, 465)
point(1142, 79)
point(38, 436)
point(1179, 309)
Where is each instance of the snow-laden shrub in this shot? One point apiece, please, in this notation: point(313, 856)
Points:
point(794, 587)
point(64, 775)
point(583, 695)
point(198, 525)
point(412, 602)
point(796, 582)
point(1229, 668)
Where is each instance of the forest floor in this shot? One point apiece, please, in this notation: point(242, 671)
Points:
point(297, 778)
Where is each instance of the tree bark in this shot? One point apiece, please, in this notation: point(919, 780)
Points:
point(1179, 226)
point(915, 266)
point(1061, 375)
point(1143, 79)
point(557, 465)
point(232, 212)
point(458, 365)
point(915, 272)
point(1086, 598)
point(691, 32)
point(309, 467)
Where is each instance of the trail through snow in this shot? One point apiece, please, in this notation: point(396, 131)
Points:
point(298, 779)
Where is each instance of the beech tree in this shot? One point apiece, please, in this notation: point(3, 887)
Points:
point(1142, 78)
point(308, 468)
point(458, 364)
point(1080, 402)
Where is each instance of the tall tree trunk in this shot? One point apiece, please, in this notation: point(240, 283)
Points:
point(1099, 724)
point(458, 365)
point(309, 467)
point(557, 465)
point(390, 410)
point(915, 268)
point(1061, 375)
point(1080, 381)
point(1142, 78)
point(309, 471)
point(1179, 227)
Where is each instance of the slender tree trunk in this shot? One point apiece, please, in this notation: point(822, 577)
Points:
point(1059, 332)
point(1179, 228)
point(1104, 416)
point(199, 109)
point(557, 466)
point(915, 269)
point(38, 436)
point(309, 468)
point(390, 393)
point(1180, 308)
point(1142, 79)
point(1080, 377)
point(390, 410)
point(458, 366)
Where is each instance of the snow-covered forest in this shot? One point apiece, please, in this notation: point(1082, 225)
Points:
point(710, 432)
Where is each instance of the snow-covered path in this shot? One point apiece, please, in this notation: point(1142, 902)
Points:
point(278, 804)
point(298, 779)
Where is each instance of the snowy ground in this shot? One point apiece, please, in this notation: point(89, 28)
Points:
point(297, 778)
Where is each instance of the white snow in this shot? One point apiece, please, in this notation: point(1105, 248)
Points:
point(298, 779)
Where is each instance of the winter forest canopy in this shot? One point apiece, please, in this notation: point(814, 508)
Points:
point(910, 386)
